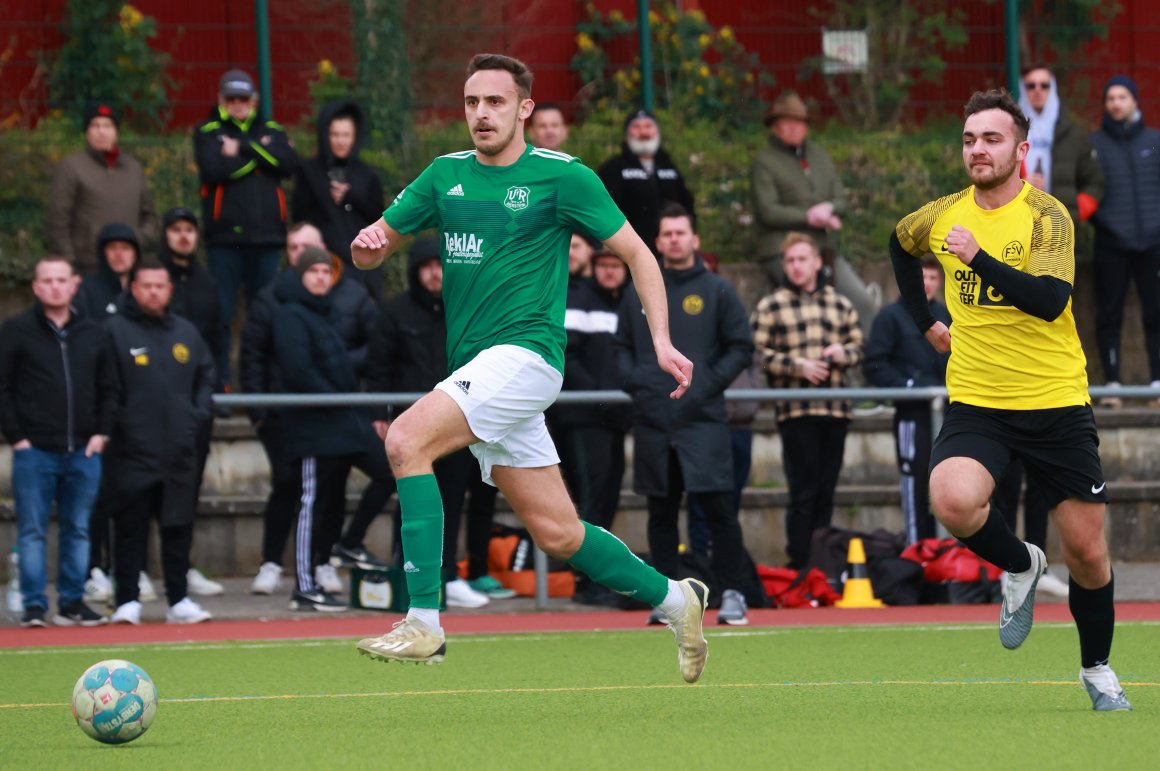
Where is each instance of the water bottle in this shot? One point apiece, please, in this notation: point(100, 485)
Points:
point(15, 601)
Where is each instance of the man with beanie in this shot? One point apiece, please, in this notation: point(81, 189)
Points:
point(1127, 229)
point(643, 178)
point(118, 250)
point(242, 160)
point(95, 186)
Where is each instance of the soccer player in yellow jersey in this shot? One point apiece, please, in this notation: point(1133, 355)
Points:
point(1016, 379)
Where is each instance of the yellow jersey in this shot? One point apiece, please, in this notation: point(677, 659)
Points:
point(1001, 357)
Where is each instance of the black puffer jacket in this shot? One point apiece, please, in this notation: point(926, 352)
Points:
point(1129, 153)
point(311, 359)
point(99, 294)
point(640, 195)
point(363, 204)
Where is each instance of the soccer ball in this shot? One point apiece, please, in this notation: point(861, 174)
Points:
point(114, 701)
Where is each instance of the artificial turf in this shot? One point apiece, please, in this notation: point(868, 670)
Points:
point(819, 697)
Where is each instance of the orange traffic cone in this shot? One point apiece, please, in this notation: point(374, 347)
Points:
point(858, 593)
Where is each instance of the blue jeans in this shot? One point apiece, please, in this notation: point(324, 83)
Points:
point(232, 268)
point(71, 480)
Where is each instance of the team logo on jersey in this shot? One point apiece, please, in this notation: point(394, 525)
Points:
point(517, 198)
point(456, 191)
point(693, 304)
point(140, 356)
point(181, 353)
point(1013, 254)
point(463, 247)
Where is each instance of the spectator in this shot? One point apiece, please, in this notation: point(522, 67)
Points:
point(56, 410)
point(1127, 243)
point(580, 252)
point(1061, 160)
point(337, 192)
point(898, 356)
point(684, 445)
point(117, 252)
point(164, 375)
point(807, 335)
point(796, 187)
point(408, 354)
point(242, 161)
point(547, 127)
point(643, 178)
point(94, 187)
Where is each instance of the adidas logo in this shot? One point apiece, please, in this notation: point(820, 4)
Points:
point(409, 567)
point(457, 190)
point(464, 385)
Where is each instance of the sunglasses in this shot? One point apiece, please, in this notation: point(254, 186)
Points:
point(1042, 86)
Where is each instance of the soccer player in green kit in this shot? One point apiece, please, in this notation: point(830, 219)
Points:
point(506, 212)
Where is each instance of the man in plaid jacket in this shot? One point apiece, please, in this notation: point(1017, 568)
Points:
point(807, 336)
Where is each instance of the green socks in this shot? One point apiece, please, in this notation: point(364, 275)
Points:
point(422, 512)
point(607, 561)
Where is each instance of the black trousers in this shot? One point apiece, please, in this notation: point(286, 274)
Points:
point(912, 443)
point(812, 450)
point(1115, 267)
point(1035, 511)
point(604, 471)
point(373, 462)
point(320, 476)
point(130, 536)
point(285, 490)
point(664, 536)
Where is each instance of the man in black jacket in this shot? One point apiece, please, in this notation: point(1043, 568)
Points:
point(165, 383)
point(643, 178)
point(684, 444)
point(241, 161)
point(898, 356)
point(56, 410)
point(338, 193)
point(117, 252)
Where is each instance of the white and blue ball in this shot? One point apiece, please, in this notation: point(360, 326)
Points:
point(114, 701)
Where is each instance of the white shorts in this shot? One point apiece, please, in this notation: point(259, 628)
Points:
point(503, 393)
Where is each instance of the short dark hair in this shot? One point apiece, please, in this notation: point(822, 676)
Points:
point(544, 107)
point(999, 99)
point(1035, 66)
point(929, 261)
point(673, 210)
point(72, 269)
point(146, 263)
point(519, 71)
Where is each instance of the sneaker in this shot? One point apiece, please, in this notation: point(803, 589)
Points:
point(316, 599)
point(33, 617)
point(460, 595)
point(1052, 586)
point(409, 640)
point(129, 613)
point(733, 609)
point(656, 618)
point(692, 650)
point(489, 587)
point(327, 577)
point(268, 580)
point(78, 614)
point(1104, 689)
point(187, 612)
point(145, 590)
point(200, 585)
point(1017, 613)
point(98, 587)
point(356, 557)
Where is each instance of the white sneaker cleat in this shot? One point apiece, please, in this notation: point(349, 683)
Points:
point(1104, 689)
point(1052, 586)
point(187, 612)
point(688, 628)
point(461, 595)
point(145, 590)
point(98, 587)
point(129, 613)
point(198, 584)
point(268, 580)
point(1018, 611)
point(327, 577)
point(409, 640)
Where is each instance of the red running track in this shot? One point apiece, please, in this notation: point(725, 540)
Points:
point(493, 623)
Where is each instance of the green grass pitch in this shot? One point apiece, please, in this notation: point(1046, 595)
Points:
point(819, 697)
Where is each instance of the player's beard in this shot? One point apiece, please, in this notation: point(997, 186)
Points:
point(1001, 173)
point(497, 145)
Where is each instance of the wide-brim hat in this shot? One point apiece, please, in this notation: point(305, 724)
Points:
point(787, 105)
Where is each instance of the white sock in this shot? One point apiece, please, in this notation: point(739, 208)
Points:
point(674, 602)
point(429, 617)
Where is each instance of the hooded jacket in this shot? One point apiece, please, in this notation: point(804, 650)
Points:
point(165, 378)
point(241, 196)
point(1129, 153)
point(640, 195)
point(363, 203)
point(195, 297)
point(99, 295)
point(408, 347)
point(708, 324)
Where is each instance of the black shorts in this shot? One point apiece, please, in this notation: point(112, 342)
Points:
point(1059, 447)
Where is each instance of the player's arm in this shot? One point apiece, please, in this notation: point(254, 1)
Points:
point(373, 244)
point(646, 277)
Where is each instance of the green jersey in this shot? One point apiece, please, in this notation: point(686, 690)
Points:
point(505, 232)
